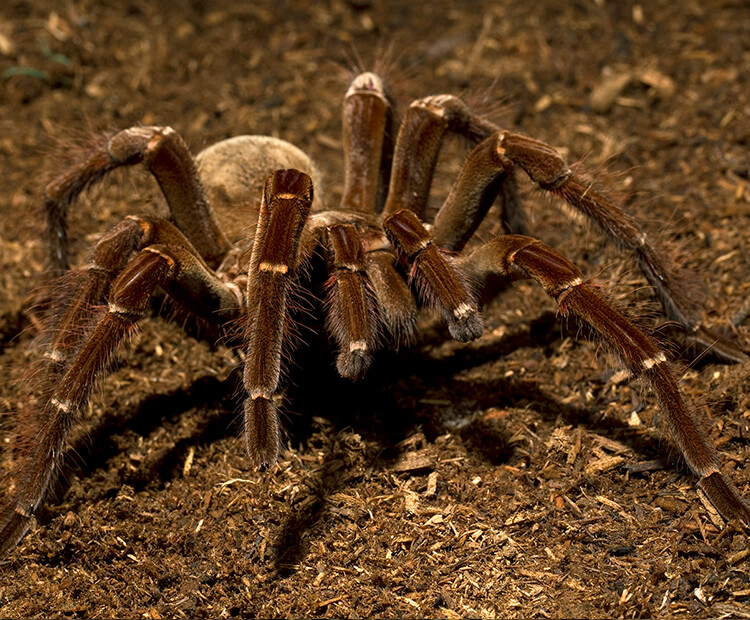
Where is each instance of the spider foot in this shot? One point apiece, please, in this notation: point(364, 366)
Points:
point(468, 324)
point(12, 528)
point(725, 497)
point(261, 431)
point(354, 364)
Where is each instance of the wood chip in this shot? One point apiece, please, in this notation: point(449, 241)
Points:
point(188, 461)
point(411, 502)
point(608, 502)
point(411, 602)
point(330, 601)
point(736, 558)
point(575, 448)
point(701, 596)
point(652, 465)
point(660, 82)
point(610, 445)
point(608, 90)
point(671, 504)
point(431, 485)
point(413, 461)
point(603, 465)
point(520, 517)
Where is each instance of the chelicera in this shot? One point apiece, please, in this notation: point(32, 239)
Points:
point(383, 264)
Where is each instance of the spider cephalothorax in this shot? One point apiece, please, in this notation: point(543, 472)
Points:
point(383, 263)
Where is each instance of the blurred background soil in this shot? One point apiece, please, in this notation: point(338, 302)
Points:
point(509, 477)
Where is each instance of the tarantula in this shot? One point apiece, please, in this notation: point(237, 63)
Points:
point(383, 264)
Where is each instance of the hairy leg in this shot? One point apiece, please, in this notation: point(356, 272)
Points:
point(287, 199)
point(81, 345)
point(367, 121)
point(489, 165)
point(167, 157)
point(518, 256)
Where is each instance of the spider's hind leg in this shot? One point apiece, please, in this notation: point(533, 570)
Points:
point(368, 148)
point(169, 160)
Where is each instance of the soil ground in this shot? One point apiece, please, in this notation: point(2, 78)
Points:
point(509, 477)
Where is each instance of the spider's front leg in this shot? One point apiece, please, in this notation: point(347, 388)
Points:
point(420, 139)
point(286, 203)
point(488, 175)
